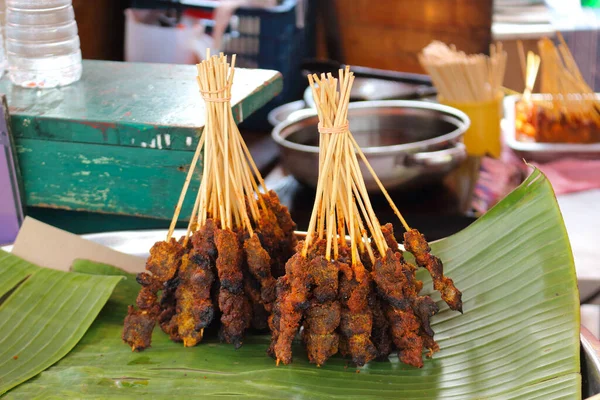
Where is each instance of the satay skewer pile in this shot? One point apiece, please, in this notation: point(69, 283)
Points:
point(461, 77)
point(356, 296)
point(572, 97)
point(569, 110)
point(237, 242)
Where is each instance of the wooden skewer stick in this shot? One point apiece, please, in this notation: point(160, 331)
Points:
point(370, 216)
point(353, 249)
point(320, 185)
point(192, 219)
point(186, 184)
point(381, 187)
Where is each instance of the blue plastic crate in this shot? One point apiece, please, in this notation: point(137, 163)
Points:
point(271, 39)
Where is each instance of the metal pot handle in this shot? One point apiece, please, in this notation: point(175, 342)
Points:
point(440, 158)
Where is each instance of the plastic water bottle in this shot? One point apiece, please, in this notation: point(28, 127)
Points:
point(42, 44)
point(3, 63)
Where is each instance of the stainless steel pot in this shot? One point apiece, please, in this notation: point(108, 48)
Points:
point(408, 143)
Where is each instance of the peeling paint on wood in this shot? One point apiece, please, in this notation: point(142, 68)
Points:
point(112, 179)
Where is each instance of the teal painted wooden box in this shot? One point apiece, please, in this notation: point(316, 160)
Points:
point(121, 139)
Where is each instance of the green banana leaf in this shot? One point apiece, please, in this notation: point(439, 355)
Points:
point(518, 337)
point(43, 314)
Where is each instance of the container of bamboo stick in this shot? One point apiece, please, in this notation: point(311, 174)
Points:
point(471, 83)
point(483, 136)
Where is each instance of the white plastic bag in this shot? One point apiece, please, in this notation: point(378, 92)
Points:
point(146, 41)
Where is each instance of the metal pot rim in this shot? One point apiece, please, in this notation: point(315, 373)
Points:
point(459, 118)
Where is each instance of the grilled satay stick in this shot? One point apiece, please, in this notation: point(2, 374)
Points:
point(277, 232)
point(260, 316)
point(342, 204)
point(259, 264)
point(282, 290)
point(168, 305)
point(404, 324)
point(234, 305)
point(380, 334)
point(320, 336)
point(162, 265)
point(423, 306)
point(357, 319)
point(292, 306)
point(323, 313)
point(415, 243)
point(195, 310)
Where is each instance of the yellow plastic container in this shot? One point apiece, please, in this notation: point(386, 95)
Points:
point(483, 136)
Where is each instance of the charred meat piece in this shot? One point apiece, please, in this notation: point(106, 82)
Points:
point(163, 263)
point(229, 261)
point(252, 290)
point(282, 214)
point(323, 275)
point(390, 280)
point(195, 309)
point(425, 308)
point(271, 237)
point(315, 250)
point(259, 265)
point(285, 249)
point(320, 324)
point(137, 331)
point(147, 300)
point(404, 327)
point(292, 306)
point(409, 270)
point(235, 318)
point(164, 260)
point(168, 307)
point(234, 305)
point(415, 243)
point(282, 289)
point(356, 318)
point(323, 314)
point(388, 235)
point(204, 243)
point(380, 335)
point(413, 285)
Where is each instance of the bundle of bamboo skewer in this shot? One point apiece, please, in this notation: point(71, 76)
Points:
point(348, 285)
point(237, 241)
point(341, 197)
point(463, 78)
point(569, 110)
point(230, 178)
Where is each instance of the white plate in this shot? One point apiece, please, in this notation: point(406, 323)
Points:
point(542, 152)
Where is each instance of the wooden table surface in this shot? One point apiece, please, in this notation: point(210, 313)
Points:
point(130, 104)
point(582, 220)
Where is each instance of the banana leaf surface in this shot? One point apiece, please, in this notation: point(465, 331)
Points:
point(517, 339)
point(43, 314)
